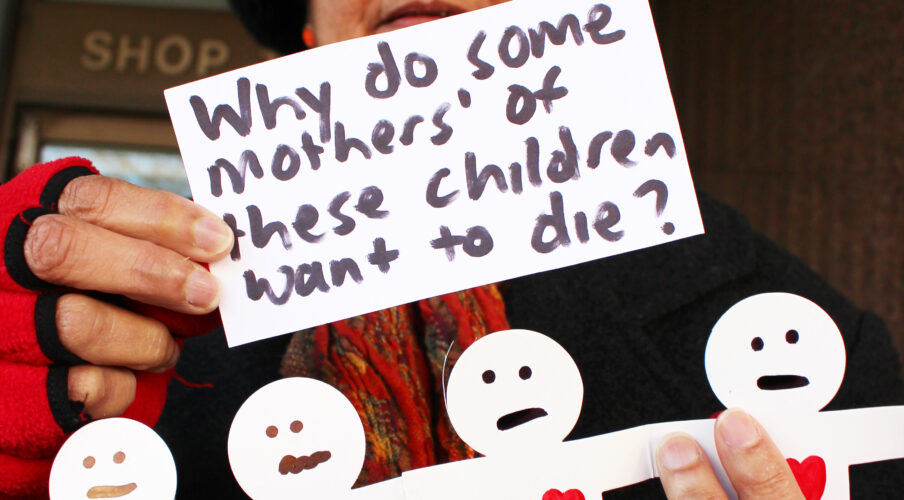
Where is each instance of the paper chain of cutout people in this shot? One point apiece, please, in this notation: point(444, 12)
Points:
point(514, 396)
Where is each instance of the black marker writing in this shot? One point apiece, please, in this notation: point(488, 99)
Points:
point(484, 69)
point(269, 108)
point(522, 102)
point(515, 46)
point(555, 34)
point(381, 257)
point(433, 197)
point(240, 121)
point(309, 277)
point(370, 199)
point(388, 68)
point(607, 217)
point(476, 242)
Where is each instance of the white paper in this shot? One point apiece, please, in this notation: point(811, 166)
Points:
point(778, 356)
point(575, 470)
point(515, 395)
point(775, 352)
point(615, 84)
point(112, 458)
point(512, 392)
point(296, 435)
point(390, 489)
point(781, 358)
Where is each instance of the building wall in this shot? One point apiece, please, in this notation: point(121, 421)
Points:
point(84, 72)
point(791, 111)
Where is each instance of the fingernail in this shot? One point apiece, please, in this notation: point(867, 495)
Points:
point(212, 235)
point(202, 289)
point(678, 452)
point(738, 429)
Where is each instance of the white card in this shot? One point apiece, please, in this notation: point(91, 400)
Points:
point(428, 160)
point(514, 396)
point(113, 458)
point(781, 358)
point(296, 435)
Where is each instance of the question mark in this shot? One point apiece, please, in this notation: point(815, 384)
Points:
point(662, 197)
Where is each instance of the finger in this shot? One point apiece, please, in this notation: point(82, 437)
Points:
point(104, 392)
point(163, 218)
point(69, 252)
point(754, 464)
point(685, 470)
point(102, 334)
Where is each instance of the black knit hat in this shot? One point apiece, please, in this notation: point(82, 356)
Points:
point(274, 23)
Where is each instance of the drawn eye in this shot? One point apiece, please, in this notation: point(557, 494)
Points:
point(756, 344)
point(88, 462)
point(272, 431)
point(489, 377)
point(119, 457)
point(296, 426)
point(525, 372)
point(792, 336)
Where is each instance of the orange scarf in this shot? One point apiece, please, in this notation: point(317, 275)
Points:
point(389, 364)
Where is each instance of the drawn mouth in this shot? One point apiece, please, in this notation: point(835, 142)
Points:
point(781, 382)
point(111, 491)
point(293, 465)
point(519, 417)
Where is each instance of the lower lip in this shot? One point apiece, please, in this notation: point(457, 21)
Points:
point(404, 22)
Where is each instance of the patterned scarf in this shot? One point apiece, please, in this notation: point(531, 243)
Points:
point(389, 364)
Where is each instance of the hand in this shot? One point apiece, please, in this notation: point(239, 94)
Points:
point(755, 466)
point(96, 277)
point(116, 238)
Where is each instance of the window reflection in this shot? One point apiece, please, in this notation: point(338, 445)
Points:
point(143, 167)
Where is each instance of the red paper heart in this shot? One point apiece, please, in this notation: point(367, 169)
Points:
point(810, 475)
point(568, 495)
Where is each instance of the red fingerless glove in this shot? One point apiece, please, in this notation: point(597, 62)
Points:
point(35, 412)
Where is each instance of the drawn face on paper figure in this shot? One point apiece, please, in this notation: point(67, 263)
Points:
point(296, 437)
point(775, 351)
point(113, 458)
point(512, 391)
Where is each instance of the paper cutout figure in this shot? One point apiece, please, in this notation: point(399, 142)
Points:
point(781, 358)
point(775, 352)
point(514, 396)
point(300, 437)
point(513, 391)
point(113, 458)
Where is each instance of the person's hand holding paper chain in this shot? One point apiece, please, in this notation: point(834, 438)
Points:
point(513, 397)
point(99, 275)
